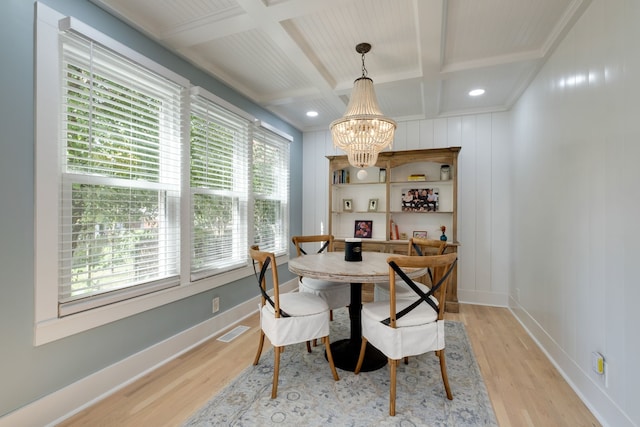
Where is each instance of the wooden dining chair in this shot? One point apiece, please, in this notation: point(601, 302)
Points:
point(416, 246)
point(288, 318)
point(408, 327)
point(336, 294)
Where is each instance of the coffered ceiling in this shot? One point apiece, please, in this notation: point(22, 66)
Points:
point(292, 56)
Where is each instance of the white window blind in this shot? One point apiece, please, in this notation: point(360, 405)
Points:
point(219, 176)
point(270, 180)
point(120, 177)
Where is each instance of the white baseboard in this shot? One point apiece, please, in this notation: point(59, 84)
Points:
point(494, 299)
point(599, 403)
point(62, 404)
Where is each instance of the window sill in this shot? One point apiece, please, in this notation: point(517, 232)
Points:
point(54, 329)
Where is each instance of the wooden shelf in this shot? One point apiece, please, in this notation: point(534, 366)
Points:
point(398, 165)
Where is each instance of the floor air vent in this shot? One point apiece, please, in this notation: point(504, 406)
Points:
point(233, 334)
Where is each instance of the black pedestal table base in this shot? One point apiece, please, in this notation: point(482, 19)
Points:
point(345, 352)
point(345, 356)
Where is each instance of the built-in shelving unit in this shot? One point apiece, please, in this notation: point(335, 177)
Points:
point(406, 192)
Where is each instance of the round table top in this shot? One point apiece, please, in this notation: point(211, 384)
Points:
point(331, 266)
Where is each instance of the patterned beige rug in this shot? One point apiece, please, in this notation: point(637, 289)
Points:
point(308, 396)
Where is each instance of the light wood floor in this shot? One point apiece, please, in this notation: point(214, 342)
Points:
point(524, 387)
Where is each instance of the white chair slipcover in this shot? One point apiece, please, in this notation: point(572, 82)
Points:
point(288, 318)
point(409, 327)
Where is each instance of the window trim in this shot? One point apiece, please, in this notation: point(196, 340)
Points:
point(48, 326)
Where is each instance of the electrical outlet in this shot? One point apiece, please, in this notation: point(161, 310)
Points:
point(597, 363)
point(216, 304)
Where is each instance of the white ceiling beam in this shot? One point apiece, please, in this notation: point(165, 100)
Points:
point(430, 18)
point(533, 55)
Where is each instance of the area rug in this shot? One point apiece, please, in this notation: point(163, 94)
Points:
point(308, 395)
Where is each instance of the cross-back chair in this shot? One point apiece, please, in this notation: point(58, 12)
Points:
point(288, 318)
point(417, 246)
point(336, 294)
point(404, 327)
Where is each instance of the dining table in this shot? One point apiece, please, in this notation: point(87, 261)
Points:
point(333, 267)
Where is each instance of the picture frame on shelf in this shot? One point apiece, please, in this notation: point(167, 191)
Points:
point(347, 205)
point(420, 234)
point(420, 199)
point(373, 205)
point(363, 229)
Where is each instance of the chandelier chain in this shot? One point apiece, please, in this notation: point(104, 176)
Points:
point(364, 69)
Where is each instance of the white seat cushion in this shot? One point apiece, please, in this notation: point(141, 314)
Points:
point(336, 294)
point(309, 319)
point(416, 333)
point(381, 290)
point(420, 315)
point(300, 304)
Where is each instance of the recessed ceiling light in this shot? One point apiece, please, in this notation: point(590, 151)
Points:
point(476, 92)
point(312, 114)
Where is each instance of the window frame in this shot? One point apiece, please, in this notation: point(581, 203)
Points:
point(278, 141)
point(203, 96)
point(48, 326)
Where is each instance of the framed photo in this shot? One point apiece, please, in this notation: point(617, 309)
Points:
point(373, 205)
point(347, 205)
point(420, 234)
point(363, 229)
point(420, 199)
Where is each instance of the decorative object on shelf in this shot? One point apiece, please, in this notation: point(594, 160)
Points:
point(382, 175)
point(443, 229)
point(362, 174)
point(420, 200)
point(363, 229)
point(363, 131)
point(347, 205)
point(394, 233)
point(445, 173)
point(373, 205)
point(420, 234)
point(353, 249)
point(417, 177)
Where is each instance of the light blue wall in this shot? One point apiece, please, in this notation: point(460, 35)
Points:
point(26, 372)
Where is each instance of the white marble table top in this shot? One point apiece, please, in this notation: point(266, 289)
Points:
point(331, 266)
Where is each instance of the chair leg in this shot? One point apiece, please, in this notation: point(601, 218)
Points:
point(363, 349)
point(331, 315)
point(393, 364)
point(406, 360)
point(276, 371)
point(260, 345)
point(327, 346)
point(443, 371)
point(309, 346)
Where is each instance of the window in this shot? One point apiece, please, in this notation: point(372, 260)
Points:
point(119, 177)
point(270, 175)
point(219, 177)
point(139, 187)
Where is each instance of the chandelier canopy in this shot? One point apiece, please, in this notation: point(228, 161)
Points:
point(363, 131)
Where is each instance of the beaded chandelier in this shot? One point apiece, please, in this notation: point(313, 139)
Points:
point(363, 131)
